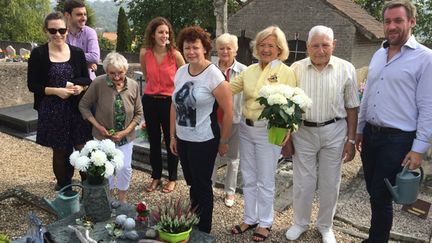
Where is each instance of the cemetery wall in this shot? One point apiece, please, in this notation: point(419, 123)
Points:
point(13, 83)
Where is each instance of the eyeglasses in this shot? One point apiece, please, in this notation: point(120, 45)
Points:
point(53, 31)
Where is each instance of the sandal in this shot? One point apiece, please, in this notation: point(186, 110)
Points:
point(238, 230)
point(258, 237)
point(168, 187)
point(153, 185)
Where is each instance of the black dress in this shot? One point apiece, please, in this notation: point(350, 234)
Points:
point(60, 124)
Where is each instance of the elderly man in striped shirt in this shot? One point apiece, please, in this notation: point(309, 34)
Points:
point(326, 137)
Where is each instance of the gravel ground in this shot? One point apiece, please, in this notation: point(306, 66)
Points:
point(27, 165)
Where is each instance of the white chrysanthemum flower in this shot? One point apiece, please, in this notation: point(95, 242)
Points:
point(118, 162)
point(288, 110)
point(287, 91)
point(265, 91)
point(299, 100)
point(74, 157)
point(109, 169)
point(89, 147)
point(82, 163)
point(107, 146)
point(98, 158)
point(299, 91)
point(277, 99)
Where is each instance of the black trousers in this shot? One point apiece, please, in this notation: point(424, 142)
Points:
point(157, 115)
point(197, 160)
point(382, 155)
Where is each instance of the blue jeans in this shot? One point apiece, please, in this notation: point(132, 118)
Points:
point(382, 155)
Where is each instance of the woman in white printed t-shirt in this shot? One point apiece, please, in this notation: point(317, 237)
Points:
point(196, 138)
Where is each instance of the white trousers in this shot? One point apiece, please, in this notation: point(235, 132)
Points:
point(258, 162)
point(231, 159)
point(318, 150)
point(123, 176)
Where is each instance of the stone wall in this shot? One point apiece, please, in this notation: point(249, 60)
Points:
point(13, 83)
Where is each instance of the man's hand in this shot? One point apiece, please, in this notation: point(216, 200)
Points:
point(359, 141)
point(414, 159)
point(288, 148)
point(118, 136)
point(92, 66)
point(348, 152)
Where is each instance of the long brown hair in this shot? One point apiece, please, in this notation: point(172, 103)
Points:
point(149, 41)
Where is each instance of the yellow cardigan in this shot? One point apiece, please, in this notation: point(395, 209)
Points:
point(253, 78)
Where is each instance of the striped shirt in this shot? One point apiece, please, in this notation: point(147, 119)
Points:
point(332, 90)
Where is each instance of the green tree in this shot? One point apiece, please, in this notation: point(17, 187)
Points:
point(423, 29)
point(180, 13)
point(91, 19)
point(105, 44)
point(123, 32)
point(22, 20)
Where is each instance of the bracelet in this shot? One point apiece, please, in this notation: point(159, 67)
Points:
point(223, 141)
point(173, 137)
point(351, 141)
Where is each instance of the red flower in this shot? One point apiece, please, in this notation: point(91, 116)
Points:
point(141, 218)
point(141, 207)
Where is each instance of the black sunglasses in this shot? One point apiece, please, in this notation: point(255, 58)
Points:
point(53, 31)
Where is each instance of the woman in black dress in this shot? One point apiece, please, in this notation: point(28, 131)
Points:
point(57, 75)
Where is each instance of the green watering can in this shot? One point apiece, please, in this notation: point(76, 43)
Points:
point(407, 186)
point(66, 202)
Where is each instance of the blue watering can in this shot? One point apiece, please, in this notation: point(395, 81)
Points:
point(66, 202)
point(407, 186)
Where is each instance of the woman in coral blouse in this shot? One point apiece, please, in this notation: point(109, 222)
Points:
point(159, 59)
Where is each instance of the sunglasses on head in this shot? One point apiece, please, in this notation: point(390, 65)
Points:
point(53, 31)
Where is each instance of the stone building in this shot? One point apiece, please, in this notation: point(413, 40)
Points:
point(358, 34)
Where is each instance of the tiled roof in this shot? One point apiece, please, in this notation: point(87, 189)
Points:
point(111, 36)
point(367, 24)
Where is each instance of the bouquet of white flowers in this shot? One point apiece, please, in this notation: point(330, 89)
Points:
point(283, 108)
point(98, 158)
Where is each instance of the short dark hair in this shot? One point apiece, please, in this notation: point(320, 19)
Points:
point(53, 16)
point(193, 33)
point(69, 5)
point(149, 41)
point(410, 8)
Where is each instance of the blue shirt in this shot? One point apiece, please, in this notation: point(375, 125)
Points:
point(398, 93)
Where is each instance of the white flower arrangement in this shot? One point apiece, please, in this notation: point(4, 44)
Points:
point(98, 158)
point(283, 105)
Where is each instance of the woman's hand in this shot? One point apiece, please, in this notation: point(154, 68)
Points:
point(77, 89)
point(64, 93)
point(118, 136)
point(102, 130)
point(173, 146)
point(223, 149)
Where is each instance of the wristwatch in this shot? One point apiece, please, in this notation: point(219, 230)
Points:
point(351, 141)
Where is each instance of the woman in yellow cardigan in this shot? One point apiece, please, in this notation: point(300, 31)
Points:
point(258, 157)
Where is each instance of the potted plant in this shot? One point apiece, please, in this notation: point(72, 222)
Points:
point(174, 219)
point(98, 160)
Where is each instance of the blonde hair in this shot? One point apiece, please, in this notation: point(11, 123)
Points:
point(281, 41)
point(115, 60)
point(227, 39)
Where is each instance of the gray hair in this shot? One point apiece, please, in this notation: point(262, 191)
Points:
point(116, 60)
point(227, 39)
point(320, 30)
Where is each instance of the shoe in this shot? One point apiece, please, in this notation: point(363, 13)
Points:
point(229, 202)
point(294, 232)
point(153, 185)
point(258, 237)
point(237, 230)
point(168, 187)
point(328, 236)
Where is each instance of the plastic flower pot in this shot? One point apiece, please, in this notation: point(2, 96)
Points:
point(276, 135)
point(174, 238)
